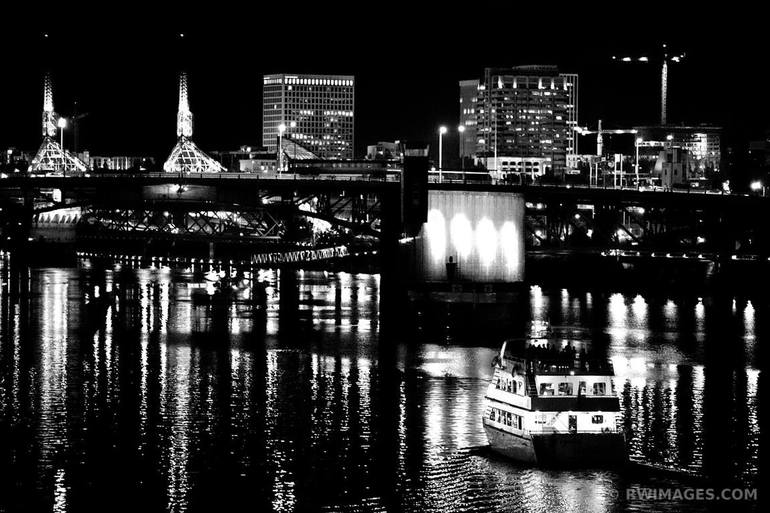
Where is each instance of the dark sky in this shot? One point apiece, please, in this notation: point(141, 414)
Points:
point(121, 66)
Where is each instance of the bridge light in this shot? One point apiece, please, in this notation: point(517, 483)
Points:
point(756, 185)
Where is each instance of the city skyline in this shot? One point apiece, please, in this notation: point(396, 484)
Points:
point(406, 99)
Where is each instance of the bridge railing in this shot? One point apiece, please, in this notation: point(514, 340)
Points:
point(392, 176)
point(472, 177)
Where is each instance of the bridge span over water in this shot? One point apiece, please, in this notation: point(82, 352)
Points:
point(265, 207)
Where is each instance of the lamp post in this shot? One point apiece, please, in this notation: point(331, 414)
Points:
point(670, 150)
point(461, 130)
point(62, 124)
point(441, 132)
point(638, 142)
point(281, 130)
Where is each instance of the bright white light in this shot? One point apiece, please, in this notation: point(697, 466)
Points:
point(486, 241)
point(756, 185)
point(669, 137)
point(62, 123)
point(509, 244)
point(462, 234)
point(442, 130)
point(643, 59)
point(281, 128)
point(626, 59)
point(461, 128)
point(436, 230)
point(637, 364)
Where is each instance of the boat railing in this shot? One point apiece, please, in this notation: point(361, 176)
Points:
point(547, 430)
point(571, 365)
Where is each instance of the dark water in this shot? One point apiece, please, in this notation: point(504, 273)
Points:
point(166, 403)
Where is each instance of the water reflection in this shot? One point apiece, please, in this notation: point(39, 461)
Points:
point(175, 404)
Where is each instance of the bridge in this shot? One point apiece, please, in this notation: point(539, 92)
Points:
point(257, 207)
point(193, 204)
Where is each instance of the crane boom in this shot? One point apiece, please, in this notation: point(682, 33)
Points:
point(600, 133)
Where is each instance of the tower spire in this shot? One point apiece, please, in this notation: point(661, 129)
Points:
point(186, 157)
point(184, 118)
point(51, 157)
point(49, 116)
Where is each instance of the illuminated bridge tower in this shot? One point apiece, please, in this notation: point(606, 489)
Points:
point(51, 157)
point(186, 157)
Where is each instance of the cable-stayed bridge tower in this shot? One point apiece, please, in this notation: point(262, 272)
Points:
point(186, 157)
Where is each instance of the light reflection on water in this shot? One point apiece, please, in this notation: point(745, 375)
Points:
point(178, 405)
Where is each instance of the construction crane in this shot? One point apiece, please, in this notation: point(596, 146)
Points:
point(600, 133)
point(665, 59)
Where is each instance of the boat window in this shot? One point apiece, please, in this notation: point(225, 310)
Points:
point(597, 419)
point(540, 418)
point(514, 384)
point(546, 388)
point(492, 414)
point(582, 388)
point(600, 388)
point(565, 388)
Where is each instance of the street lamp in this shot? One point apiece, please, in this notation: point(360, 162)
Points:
point(62, 124)
point(441, 132)
point(461, 129)
point(281, 130)
point(638, 142)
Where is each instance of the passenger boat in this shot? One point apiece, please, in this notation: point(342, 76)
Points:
point(553, 404)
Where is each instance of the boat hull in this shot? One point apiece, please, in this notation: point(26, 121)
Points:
point(560, 450)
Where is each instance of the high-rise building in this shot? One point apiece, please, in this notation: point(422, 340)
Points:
point(317, 112)
point(469, 96)
point(524, 119)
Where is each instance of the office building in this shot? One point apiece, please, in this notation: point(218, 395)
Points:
point(469, 96)
point(524, 119)
point(317, 111)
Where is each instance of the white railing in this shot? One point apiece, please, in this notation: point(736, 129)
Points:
point(342, 177)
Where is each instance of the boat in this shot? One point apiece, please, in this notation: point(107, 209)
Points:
point(553, 403)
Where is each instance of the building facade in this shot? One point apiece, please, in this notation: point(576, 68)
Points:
point(524, 116)
point(469, 97)
point(703, 143)
point(317, 111)
point(117, 162)
point(384, 150)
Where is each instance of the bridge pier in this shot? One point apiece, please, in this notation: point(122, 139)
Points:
point(392, 289)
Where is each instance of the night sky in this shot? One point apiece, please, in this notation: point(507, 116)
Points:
point(122, 68)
